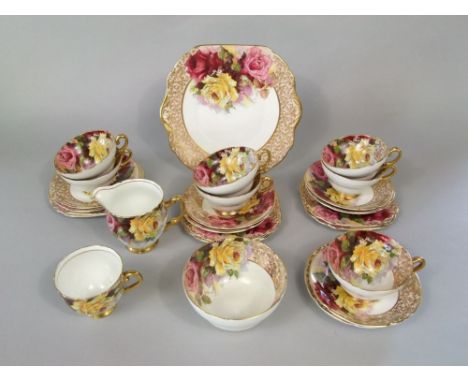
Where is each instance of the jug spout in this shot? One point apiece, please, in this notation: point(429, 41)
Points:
point(130, 198)
point(103, 195)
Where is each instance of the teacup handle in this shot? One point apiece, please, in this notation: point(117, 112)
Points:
point(125, 153)
point(393, 170)
point(168, 204)
point(396, 150)
point(261, 154)
point(418, 263)
point(118, 140)
point(129, 275)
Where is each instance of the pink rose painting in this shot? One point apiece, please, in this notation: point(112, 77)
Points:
point(317, 171)
point(333, 255)
point(256, 65)
point(328, 156)
point(192, 277)
point(201, 175)
point(326, 213)
point(67, 158)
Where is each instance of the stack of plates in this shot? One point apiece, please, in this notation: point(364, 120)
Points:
point(256, 219)
point(324, 204)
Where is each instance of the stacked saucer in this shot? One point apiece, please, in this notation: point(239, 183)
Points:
point(230, 196)
point(350, 188)
point(365, 279)
point(87, 161)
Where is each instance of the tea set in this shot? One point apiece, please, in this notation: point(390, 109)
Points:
point(230, 112)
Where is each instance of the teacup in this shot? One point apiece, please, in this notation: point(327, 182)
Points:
point(228, 202)
point(370, 265)
point(136, 212)
point(355, 186)
point(230, 170)
point(357, 156)
point(83, 189)
point(89, 154)
point(91, 280)
point(239, 292)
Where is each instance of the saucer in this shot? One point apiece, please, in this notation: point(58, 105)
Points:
point(64, 203)
point(260, 232)
point(346, 221)
point(374, 199)
point(330, 296)
point(254, 211)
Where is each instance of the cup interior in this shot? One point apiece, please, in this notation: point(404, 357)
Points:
point(88, 272)
point(249, 295)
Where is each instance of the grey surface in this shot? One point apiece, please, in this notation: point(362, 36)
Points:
point(402, 78)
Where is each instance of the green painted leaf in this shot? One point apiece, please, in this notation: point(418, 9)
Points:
point(236, 67)
point(344, 262)
point(206, 299)
point(345, 245)
point(199, 256)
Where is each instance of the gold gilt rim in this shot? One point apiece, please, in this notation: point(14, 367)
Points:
point(306, 199)
point(188, 151)
point(398, 314)
point(384, 195)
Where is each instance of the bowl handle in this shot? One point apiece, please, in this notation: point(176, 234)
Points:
point(168, 204)
point(396, 150)
point(418, 263)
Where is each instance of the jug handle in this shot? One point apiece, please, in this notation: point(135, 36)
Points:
point(168, 204)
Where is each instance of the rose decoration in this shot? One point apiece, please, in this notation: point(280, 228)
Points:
point(326, 213)
point(192, 276)
point(201, 175)
point(202, 63)
point(256, 65)
point(328, 156)
point(318, 172)
point(67, 158)
point(224, 76)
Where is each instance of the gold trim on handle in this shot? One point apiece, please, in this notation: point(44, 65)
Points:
point(121, 138)
point(398, 156)
point(127, 275)
point(168, 204)
point(418, 263)
point(393, 171)
point(126, 153)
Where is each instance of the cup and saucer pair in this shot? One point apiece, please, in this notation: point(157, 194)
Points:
point(365, 279)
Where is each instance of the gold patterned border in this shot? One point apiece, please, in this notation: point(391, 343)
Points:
point(188, 151)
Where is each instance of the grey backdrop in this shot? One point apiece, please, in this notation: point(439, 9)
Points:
point(402, 78)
